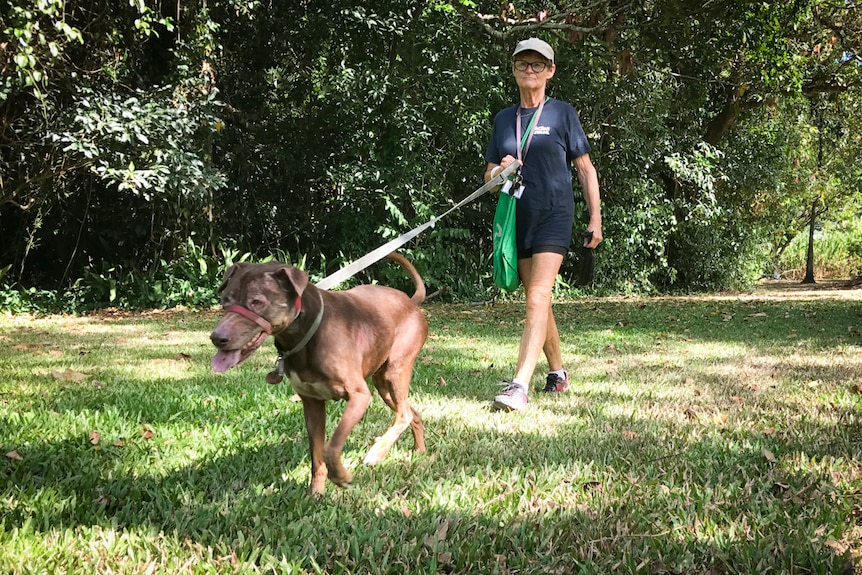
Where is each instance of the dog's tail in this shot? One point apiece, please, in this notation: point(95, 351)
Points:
point(419, 295)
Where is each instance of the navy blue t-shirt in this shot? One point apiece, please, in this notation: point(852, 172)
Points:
point(546, 210)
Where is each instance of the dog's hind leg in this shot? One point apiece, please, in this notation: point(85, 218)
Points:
point(418, 429)
point(393, 389)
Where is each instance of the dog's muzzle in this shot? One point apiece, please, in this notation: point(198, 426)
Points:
point(248, 314)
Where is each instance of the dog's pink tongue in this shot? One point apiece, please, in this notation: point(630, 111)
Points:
point(224, 360)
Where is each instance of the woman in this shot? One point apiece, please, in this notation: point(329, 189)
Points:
point(553, 141)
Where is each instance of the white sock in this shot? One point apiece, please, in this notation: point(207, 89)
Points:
point(521, 383)
point(560, 372)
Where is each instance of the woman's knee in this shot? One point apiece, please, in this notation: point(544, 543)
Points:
point(539, 296)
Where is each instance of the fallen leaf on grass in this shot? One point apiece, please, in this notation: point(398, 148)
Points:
point(856, 388)
point(432, 541)
point(769, 431)
point(95, 437)
point(719, 418)
point(118, 443)
point(25, 346)
point(184, 357)
point(770, 457)
point(97, 383)
point(69, 375)
point(14, 455)
point(839, 546)
point(629, 434)
point(442, 382)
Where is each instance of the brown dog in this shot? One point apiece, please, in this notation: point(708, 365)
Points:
point(329, 343)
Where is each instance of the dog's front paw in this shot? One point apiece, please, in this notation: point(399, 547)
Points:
point(341, 476)
point(338, 474)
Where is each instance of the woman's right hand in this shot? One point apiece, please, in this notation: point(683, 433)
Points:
point(494, 169)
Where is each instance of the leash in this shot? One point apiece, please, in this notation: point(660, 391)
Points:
point(277, 374)
point(390, 246)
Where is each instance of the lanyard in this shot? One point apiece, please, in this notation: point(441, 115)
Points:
point(528, 134)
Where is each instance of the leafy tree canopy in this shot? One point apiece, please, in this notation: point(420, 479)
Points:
point(319, 131)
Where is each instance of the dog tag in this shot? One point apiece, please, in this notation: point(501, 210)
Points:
point(275, 376)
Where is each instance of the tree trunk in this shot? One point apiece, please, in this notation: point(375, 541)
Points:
point(809, 259)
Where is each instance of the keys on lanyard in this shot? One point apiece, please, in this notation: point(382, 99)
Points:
point(515, 186)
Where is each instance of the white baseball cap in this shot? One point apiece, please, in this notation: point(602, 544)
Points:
point(535, 45)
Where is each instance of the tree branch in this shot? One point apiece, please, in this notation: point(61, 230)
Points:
point(516, 26)
point(9, 197)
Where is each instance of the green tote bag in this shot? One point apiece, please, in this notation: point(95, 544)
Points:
point(505, 250)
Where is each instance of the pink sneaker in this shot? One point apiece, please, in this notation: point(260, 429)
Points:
point(513, 397)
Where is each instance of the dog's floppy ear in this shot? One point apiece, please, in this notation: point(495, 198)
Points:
point(291, 279)
point(229, 273)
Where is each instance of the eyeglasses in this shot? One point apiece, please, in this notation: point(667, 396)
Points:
point(522, 65)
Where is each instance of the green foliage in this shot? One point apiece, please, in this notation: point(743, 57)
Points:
point(39, 35)
point(636, 232)
point(190, 280)
point(722, 254)
point(837, 254)
point(149, 146)
point(16, 299)
point(326, 129)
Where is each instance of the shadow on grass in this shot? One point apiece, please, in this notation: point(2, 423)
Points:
point(583, 497)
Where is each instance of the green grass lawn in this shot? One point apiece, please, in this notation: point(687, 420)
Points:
point(700, 436)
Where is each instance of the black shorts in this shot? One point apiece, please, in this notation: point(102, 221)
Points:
point(528, 253)
point(545, 231)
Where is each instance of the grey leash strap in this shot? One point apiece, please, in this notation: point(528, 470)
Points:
point(390, 246)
